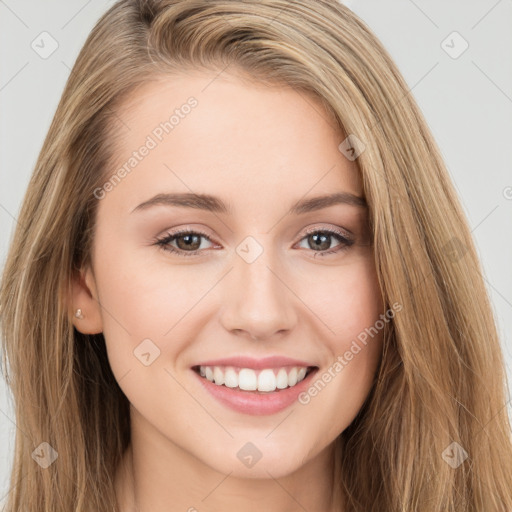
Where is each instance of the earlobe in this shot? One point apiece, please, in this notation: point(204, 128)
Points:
point(84, 303)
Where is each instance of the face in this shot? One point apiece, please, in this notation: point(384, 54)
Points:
point(241, 284)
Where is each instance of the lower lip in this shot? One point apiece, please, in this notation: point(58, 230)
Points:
point(251, 402)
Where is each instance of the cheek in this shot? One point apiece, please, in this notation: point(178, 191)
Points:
point(347, 300)
point(358, 340)
point(352, 311)
point(144, 310)
point(145, 297)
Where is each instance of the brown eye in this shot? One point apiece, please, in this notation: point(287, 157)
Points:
point(188, 243)
point(320, 241)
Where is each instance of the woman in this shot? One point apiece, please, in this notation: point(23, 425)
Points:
point(241, 279)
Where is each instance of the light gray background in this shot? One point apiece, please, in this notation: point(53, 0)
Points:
point(467, 102)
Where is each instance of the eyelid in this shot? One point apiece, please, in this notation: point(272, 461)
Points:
point(185, 230)
point(346, 236)
point(341, 231)
point(164, 240)
point(309, 230)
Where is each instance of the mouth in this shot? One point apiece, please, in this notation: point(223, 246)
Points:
point(260, 381)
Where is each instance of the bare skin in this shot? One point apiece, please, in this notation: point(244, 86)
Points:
point(260, 150)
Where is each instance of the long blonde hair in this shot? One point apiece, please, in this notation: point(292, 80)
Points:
point(441, 379)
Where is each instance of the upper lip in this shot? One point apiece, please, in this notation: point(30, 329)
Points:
point(255, 364)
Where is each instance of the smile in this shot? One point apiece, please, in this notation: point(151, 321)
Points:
point(266, 380)
point(268, 389)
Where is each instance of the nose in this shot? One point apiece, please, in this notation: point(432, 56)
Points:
point(258, 301)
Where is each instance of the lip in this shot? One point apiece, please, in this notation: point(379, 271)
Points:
point(256, 364)
point(253, 402)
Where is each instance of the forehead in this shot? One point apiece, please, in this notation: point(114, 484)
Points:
point(220, 134)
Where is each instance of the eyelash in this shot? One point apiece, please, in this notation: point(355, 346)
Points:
point(164, 242)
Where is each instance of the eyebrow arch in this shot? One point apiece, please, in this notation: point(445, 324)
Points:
point(216, 205)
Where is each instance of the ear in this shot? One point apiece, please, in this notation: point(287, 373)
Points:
point(84, 296)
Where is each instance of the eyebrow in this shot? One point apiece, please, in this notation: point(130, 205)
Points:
point(214, 204)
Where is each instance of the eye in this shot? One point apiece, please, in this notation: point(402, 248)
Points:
point(186, 239)
point(321, 239)
point(189, 242)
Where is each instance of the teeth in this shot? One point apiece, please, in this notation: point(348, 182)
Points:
point(247, 379)
point(293, 376)
point(218, 375)
point(267, 381)
point(231, 378)
point(283, 380)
